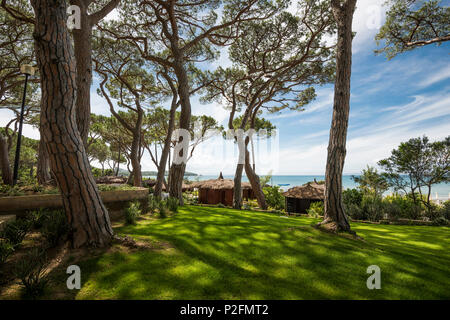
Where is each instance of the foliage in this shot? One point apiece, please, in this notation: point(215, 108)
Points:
point(152, 203)
point(417, 164)
point(413, 23)
point(274, 198)
point(172, 204)
point(132, 212)
point(162, 208)
point(6, 249)
point(316, 209)
point(15, 231)
point(54, 227)
point(401, 206)
point(31, 272)
point(371, 182)
point(445, 209)
point(10, 191)
point(352, 197)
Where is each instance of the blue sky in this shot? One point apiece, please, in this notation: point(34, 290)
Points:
point(391, 101)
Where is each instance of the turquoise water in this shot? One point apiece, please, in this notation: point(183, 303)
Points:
point(442, 189)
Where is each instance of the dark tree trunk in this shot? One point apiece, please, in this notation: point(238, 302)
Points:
point(237, 189)
point(43, 164)
point(334, 213)
point(4, 162)
point(83, 58)
point(86, 214)
point(166, 151)
point(254, 179)
point(177, 170)
point(134, 158)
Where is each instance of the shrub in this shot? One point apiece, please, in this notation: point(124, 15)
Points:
point(36, 217)
point(406, 207)
point(354, 211)
point(445, 210)
point(152, 203)
point(132, 212)
point(6, 249)
point(172, 204)
point(372, 207)
point(316, 209)
point(15, 231)
point(352, 196)
point(31, 272)
point(440, 221)
point(163, 211)
point(246, 206)
point(274, 198)
point(54, 227)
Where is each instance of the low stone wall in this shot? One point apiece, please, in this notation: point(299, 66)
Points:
point(115, 201)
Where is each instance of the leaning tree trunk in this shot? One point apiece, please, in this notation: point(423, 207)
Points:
point(43, 164)
point(4, 162)
point(86, 214)
point(334, 213)
point(166, 151)
point(254, 180)
point(176, 173)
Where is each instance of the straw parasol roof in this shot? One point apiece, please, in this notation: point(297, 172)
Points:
point(219, 184)
point(307, 191)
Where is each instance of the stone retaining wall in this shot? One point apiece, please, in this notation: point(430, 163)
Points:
point(115, 201)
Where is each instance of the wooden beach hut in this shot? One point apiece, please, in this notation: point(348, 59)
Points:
point(220, 190)
point(298, 199)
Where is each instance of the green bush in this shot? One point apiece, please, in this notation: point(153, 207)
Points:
point(372, 207)
point(37, 217)
point(172, 204)
point(15, 231)
point(354, 211)
point(54, 227)
point(274, 198)
point(132, 212)
point(440, 221)
point(316, 209)
point(404, 207)
point(352, 196)
point(30, 270)
point(162, 207)
point(445, 210)
point(6, 249)
point(152, 203)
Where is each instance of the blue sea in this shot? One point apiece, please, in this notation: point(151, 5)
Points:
point(442, 190)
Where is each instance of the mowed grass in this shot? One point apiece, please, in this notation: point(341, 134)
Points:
point(218, 253)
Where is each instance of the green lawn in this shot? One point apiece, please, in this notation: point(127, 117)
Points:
point(215, 253)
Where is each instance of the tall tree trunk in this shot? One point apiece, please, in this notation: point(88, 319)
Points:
point(83, 58)
point(43, 164)
point(334, 213)
point(134, 158)
point(177, 170)
point(237, 188)
point(166, 150)
point(254, 179)
point(86, 214)
point(4, 162)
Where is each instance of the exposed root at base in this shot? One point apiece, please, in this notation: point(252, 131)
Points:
point(333, 227)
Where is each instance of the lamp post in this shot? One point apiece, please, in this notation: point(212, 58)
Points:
point(27, 70)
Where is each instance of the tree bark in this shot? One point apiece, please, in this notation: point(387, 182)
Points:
point(254, 179)
point(83, 57)
point(176, 174)
point(4, 162)
point(134, 158)
point(334, 213)
point(237, 189)
point(43, 164)
point(166, 150)
point(86, 214)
